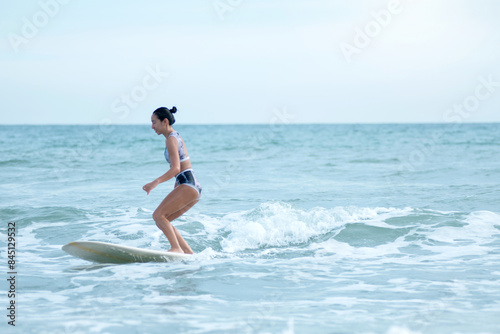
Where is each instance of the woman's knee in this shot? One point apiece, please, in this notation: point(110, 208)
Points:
point(158, 216)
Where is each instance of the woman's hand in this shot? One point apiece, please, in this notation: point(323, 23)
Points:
point(150, 186)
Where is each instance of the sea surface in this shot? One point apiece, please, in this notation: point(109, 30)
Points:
point(301, 229)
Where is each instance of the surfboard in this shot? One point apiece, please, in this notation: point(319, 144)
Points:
point(103, 252)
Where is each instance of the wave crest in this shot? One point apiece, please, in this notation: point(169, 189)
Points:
point(279, 224)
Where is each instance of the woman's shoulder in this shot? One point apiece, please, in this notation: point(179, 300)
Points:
point(172, 139)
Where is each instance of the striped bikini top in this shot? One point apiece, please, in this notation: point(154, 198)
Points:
point(182, 151)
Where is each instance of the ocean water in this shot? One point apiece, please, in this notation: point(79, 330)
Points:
point(301, 229)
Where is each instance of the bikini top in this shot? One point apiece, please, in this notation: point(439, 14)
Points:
point(182, 151)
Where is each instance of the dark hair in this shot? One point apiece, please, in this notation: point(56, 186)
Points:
point(163, 113)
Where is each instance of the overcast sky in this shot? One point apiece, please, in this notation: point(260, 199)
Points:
point(250, 61)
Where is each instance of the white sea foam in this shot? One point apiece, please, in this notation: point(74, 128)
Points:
point(471, 238)
point(279, 224)
point(344, 250)
point(276, 225)
point(479, 228)
point(401, 330)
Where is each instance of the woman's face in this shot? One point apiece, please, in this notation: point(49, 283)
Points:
point(158, 125)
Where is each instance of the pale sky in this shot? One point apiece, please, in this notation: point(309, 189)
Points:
point(250, 61)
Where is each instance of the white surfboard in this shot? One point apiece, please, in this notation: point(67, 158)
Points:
point(103, 252)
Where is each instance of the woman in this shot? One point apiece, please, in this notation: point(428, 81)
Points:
point(187, 190)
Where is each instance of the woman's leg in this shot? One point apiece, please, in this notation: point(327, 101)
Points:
point(175, 203)
point(184, 245)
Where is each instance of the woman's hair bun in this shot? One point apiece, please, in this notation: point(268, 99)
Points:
point(165, 113)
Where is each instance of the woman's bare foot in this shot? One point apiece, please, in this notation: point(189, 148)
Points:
point(176, 250)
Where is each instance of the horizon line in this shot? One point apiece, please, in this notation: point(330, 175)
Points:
point(273, 124)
